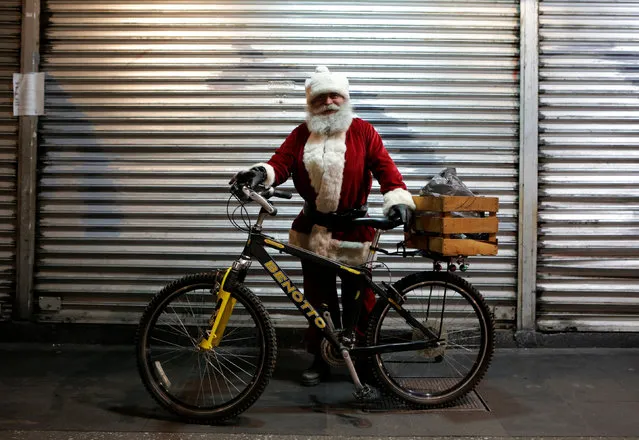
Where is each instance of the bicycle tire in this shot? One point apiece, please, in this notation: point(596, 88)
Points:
point(458, 314)
point(231, 376)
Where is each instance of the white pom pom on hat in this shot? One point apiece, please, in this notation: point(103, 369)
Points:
point(324, 81)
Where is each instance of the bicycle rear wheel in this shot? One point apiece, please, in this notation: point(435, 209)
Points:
point(204, 385)
point(452, 309)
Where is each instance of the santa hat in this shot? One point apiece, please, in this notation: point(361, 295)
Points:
point(323, 81)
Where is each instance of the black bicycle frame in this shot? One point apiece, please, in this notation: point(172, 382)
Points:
point(255, 246)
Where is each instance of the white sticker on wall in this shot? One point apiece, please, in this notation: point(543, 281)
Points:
point(28, 94)
point(281, 85)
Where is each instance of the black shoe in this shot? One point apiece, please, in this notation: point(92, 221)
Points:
point(317, 372)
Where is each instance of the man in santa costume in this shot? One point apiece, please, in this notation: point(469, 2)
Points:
point(333, 158)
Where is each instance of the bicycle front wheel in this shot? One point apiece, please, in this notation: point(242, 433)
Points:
point(204, 385)
point(457, 314)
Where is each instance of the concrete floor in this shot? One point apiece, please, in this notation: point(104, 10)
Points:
point(88, 392)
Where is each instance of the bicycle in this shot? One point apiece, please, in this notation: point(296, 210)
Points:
point(206, 347)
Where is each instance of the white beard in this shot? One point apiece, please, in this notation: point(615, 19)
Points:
point(327, 125)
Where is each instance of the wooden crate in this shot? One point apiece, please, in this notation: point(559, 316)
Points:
point(435, 225)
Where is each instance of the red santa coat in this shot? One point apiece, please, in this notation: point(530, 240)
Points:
point(335, 174)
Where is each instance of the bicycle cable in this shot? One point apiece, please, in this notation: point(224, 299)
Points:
point(232, 215)
point(379, 264)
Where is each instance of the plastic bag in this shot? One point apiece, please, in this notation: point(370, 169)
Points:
point(446, 183)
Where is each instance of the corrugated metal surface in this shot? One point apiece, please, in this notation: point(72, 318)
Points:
point(151, 106)
point(589, 166)
point(9, 64)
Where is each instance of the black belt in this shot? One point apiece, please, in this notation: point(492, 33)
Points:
point(335, 221)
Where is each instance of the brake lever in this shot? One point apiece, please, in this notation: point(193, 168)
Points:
point(237, 191)
point(256, 197)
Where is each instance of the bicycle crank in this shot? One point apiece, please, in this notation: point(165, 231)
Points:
point(328, 352)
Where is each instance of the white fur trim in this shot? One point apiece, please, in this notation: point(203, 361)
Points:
point(323, 81)
point(270, 173)
point(324, 159)
point(352, 252)
point(321, 242)
point(298, 239)
point(397, 196)
point(314, 161)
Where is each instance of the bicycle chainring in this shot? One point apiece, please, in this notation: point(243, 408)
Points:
point(330, 355)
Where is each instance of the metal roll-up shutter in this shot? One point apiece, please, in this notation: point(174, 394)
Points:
point(9, 64)
point(589, 166)
point(152, 106)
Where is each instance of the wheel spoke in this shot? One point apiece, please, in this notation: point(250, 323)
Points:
point(221, 371)
point(186, 332)
point(174, 353)
point(171, 344)
point(233, 364)
point(243, 358)
point(170, 329)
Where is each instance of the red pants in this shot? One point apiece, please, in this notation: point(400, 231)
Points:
point(320, 287)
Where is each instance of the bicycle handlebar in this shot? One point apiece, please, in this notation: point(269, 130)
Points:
point(279, 193)
point(261, 197)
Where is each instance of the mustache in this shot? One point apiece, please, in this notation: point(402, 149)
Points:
point(328, 124)
point(325, 108)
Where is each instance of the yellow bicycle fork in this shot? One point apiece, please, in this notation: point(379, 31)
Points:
point(223, 311)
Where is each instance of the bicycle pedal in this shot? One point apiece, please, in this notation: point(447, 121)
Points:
point(366, 393)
